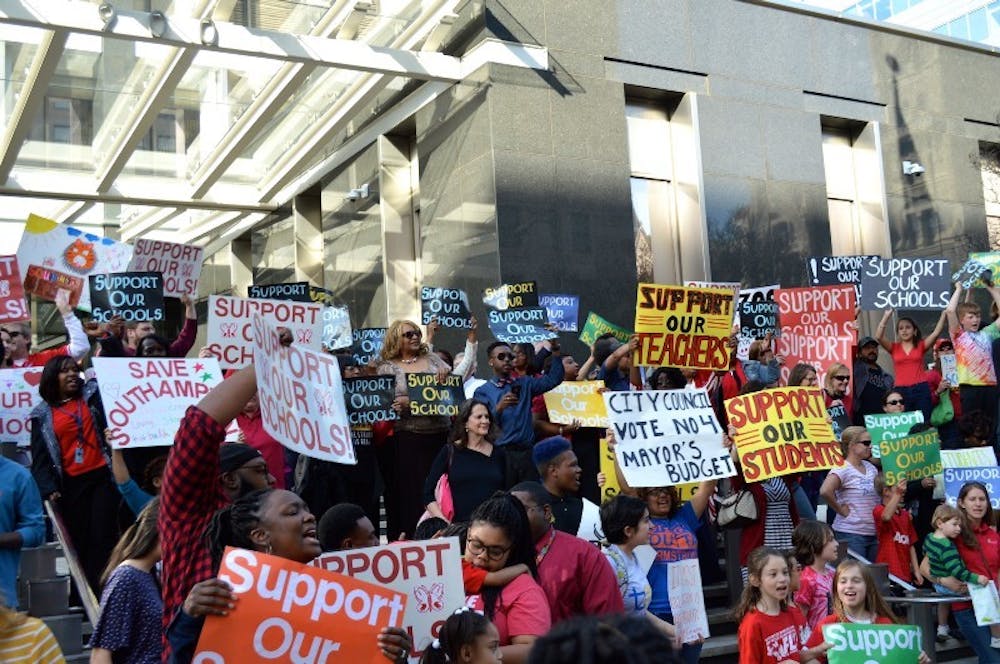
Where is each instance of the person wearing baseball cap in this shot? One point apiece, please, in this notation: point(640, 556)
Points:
point(870, 381)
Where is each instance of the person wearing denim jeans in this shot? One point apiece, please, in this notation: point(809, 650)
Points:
point(850, 492)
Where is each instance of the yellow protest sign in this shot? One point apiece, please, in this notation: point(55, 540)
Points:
point(782, 431)
point(682, 327)
point(577, 400)
point(612, 488)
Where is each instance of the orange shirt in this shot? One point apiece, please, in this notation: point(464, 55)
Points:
point(75, 431)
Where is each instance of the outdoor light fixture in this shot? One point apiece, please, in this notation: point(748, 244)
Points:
point(209, 33)
point(157, 24)
point(108, 15)
point(913, 168)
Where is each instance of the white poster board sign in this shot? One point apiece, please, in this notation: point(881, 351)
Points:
point(180, 264)
point(590, 523)
point(18, 396)
point(230, 325)
point(687, 601)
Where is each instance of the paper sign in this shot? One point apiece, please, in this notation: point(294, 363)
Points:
point(180, 264)
point(971, 457)
point(337, 328)
point(667, 437)
point(955, 478)
point(512, 296)
point(912, 457)
point(988, 259)
point(611, 487)
point(972, 274)
point(595, 326)
point(428, 573)
point(13, 306)
point(18, 396)
point(754, 296)
point(782, 431)
point(836, 270)
point(563, 310)
point(687, 600)
point(288, 612)
point(590, 528)
point(683, 327)
point(817, 328)
point(577, 400)
point(985, 603)
point(905, 283)
point(366, 344)
point(890, 426)
point(839, 419)
point(430, 396)
point(230, 326)
point(134, 296)
point(450, 306)
point(855, 643)
point(45, 283)
point(66, 249)
point(369, 399)
point(291, 292)
point(757, 319)
point(514, 326)
point(301, 396)
point(949, 368)
point(145, 398)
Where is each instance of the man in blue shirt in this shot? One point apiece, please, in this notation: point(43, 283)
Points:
point(509, 399)
point(21, 524)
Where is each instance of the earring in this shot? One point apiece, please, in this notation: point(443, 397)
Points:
point(269, 550)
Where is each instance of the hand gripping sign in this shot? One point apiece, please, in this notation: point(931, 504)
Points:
point(290, 613)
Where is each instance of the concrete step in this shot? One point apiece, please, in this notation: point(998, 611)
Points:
point(68, 630)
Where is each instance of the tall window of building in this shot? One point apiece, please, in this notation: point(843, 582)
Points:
point(989, 163)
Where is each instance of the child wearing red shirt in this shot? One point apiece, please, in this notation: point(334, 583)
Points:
point(896, 535)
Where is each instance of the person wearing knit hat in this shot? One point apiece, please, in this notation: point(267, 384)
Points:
point(243, 469)
point(559, 470)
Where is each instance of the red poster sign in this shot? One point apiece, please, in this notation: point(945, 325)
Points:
point(817, 327)
point(13, 306)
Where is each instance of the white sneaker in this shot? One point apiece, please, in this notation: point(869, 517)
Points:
point(942, 630)
point(995, 642)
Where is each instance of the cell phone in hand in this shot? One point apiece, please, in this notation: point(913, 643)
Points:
point(516, 391)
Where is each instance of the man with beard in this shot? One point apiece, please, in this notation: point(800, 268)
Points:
point(870, 381)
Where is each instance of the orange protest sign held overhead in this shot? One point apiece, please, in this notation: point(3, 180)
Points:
point(290, 612)
point(682, 327)
point(782, 431)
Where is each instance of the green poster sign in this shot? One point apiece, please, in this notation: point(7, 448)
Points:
point(872, 644)
point(890, 426)
point(596, 326)
point(991, 259)
point(912, 457)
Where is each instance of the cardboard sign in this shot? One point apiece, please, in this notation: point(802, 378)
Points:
point(972, 274)
point(817, 327)
point(301, 397)
point(752, 296)
point(912, 457)
point(905, 283)
point(291, 292)
point(369, 399)
point(322, 296)
point(955, 478)
point(53, 246)
point(13, 306)
point(968, 458)
point(134, 296)
point(590, 528)
point(577, 400)
point(595, 326)
point(145, 398)
point(855, 643)
point(337, 328)
point(366, 344)
point(288, 612)
point(782, 431)
point(230, 326)
point(949, 368)
point(450, 306)
point(687, 600)
point(985, 603)
point(512, 296)
point(430, 396)
point(836, 270)
point(45, 284)
point(563, 310)
point(839, 419)
point(611, 487)
point(427, 573)
point(890, 426)
point(667, 437)
point(18, 396)
point(180, 264)
point(758, 319)
point(514, 326)
point(990, 260)
point(680, 327)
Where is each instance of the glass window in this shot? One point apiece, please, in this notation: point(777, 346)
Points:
point(273, 249)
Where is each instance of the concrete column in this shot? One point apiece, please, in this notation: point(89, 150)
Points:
point(307, 219)
point(241, 264)
point(400, 240)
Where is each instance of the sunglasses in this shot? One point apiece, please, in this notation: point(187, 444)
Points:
point(413, 334)
point(842, 378)
point(13, 335)
point(894, 402)
point(864, 442)
point(503, 357)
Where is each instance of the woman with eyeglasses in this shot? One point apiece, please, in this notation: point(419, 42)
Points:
point(500, 537)
point(850, 492)
point(908, 353)
point(836, 388)
point(407, 456)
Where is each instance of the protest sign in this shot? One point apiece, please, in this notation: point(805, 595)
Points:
point(513, 326)
point(836, 270)
point(838, 418)
point(230, 326)
point(45, 284)
point(429, 395)
point(180, 264)
point(291, 292)
point(521, 295)
point(985, 603)
point(369, 399)
point(890, 426)
point(972, 274)
point(581, 401)
point(289, 612)
point(562, 310)
point(337, 328)
point(590, 528)
point(988, 259)
point(949, 368)
point(449, 306)
point(49, 245)
point(595, 326)
point(817, 327)
point(322, 296)
point(366, 344)
point(749, 296)
point(428, 573)
point(955, 478)
point(667, 437)
point(971, 457)
point(687, 600)
point(611, 486)
point(911, 457)
point(18, 396)
point(13, 306)
point(301, 396)
point(733, 287)
point(905, 283)
point(134, 296)
point(855, 643)
point(680, 327)
point(782, 431)
point(145, 398)
point(758, 319)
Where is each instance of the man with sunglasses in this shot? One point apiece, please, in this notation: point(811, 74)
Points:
point(19, 336)
point(871, 382)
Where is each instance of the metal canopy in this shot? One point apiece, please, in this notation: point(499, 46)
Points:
point(188, 124)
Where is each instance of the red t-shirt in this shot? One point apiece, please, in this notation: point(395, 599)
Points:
point(473, 577)
point(816, 637)
point(895, 539)
point(985, 560)
point(521, 609)
point(765, 639)
point(910, 368)
point(66, 420)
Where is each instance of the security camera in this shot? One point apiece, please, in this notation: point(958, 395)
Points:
point(358, 193)
point(913, 168)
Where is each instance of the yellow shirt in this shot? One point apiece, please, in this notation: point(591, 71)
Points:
point(30, 642)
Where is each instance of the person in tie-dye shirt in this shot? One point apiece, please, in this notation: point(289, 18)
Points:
point(977, 377)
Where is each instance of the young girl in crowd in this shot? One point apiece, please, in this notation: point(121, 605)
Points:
point(908, 353)
point(815, 548)
point(850, 492)
point(465, 638)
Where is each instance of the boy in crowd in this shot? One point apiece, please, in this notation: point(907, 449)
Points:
point(896, 535)
point(977, 377)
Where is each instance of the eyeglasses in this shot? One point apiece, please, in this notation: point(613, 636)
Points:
point(864, 442)
point(494, 553)
point(894, 402)
point(842, 378)
point(503, 357)
point(12, 334)
point(410, 334)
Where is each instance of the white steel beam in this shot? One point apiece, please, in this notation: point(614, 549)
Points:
point(233, 232)
point(147, 222)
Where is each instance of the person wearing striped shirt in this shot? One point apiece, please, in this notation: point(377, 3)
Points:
point(26, 640)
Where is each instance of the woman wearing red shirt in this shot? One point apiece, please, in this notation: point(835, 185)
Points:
point(908, 353)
